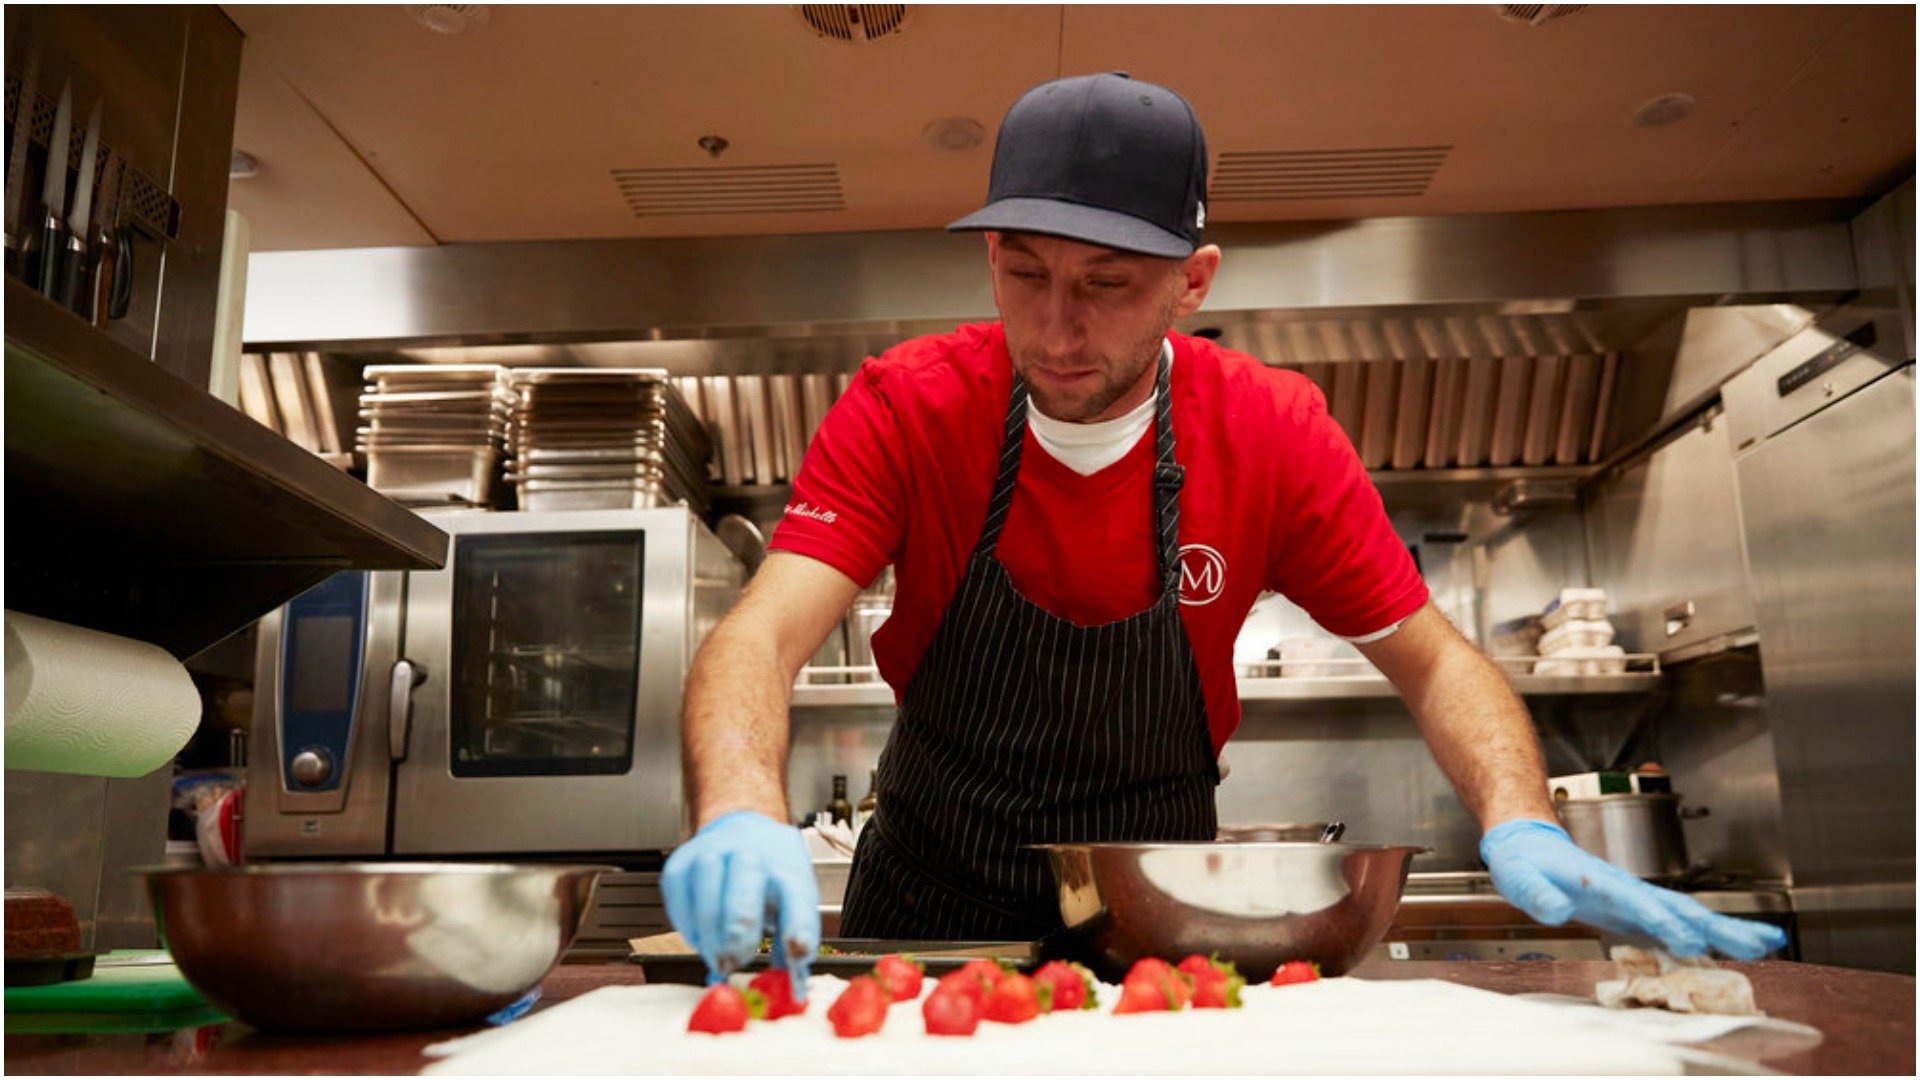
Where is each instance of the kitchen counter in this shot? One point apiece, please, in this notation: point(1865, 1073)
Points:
point(1868, 1019)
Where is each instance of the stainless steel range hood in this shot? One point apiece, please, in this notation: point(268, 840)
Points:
point(1475, 342)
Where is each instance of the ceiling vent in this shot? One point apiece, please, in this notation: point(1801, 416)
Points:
point(1368, 173)
point(853, 23)
point(1535, 14)
point(737, 189)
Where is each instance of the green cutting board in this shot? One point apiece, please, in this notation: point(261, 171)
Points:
point(143, 997)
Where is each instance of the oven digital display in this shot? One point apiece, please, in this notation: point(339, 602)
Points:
point(321, 677)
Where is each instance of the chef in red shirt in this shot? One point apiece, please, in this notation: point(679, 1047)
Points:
point(1080, 508)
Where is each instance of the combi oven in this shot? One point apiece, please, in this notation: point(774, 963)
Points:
point(525, 699)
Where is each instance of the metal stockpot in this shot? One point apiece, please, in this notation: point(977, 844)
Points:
point(1639, 833)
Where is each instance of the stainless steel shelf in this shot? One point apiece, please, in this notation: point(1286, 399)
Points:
point(813, 691)
point(141, 505)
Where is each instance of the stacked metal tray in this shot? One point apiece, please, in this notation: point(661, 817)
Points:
point(605, 438)
point(434, 433)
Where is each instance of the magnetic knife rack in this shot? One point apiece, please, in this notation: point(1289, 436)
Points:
point(141, 202)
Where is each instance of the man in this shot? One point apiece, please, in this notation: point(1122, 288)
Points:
point(1044, 487)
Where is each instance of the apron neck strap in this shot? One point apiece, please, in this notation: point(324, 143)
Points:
point(1168, 477)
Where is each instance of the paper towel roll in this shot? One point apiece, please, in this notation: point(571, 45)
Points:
point(80, 701)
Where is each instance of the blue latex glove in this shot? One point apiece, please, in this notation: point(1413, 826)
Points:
point(1540, 870)
point(744, 877)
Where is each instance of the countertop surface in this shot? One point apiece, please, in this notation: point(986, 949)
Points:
point(1867, 1018)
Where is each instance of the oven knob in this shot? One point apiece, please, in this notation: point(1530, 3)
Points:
point(312, 767)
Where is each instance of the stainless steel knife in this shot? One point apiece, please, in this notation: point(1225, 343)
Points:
point(73, 263)
point(17, 160)
point(53, 193)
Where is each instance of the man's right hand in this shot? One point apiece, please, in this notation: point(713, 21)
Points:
point(743, 877)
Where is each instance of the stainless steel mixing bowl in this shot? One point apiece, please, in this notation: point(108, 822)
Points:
point(336, 947)
point(1256, 904)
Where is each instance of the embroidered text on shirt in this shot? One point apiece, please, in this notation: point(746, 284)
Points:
point(806, 510)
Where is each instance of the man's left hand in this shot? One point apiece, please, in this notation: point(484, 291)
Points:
point(1540, 870)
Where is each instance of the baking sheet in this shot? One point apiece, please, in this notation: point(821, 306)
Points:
point(666, 959)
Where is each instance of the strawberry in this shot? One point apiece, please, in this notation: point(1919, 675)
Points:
point(1216, 982)
point(987, 971)
point(1295, 971)
point(962, 982)
point(775, 988)
point(1015, 999)
point(860, 1009)
point(721, 1010)
point(1072, 985)
point(900, 975)
point(1153, 986)
point(952, 1009)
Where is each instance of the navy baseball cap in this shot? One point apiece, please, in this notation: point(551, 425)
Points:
point(1102, 159)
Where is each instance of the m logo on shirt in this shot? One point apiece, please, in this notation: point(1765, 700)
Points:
point(1203, 574)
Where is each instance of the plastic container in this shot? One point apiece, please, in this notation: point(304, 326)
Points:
point(1575, 604)
point(1518, 637)
point(1576, 634)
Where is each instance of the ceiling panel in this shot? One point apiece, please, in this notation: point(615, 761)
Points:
point(519, 128)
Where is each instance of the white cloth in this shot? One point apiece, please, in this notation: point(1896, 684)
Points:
point(1349, 1026)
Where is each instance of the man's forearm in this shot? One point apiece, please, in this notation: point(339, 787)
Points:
point(733, 740)
point(1477, 728)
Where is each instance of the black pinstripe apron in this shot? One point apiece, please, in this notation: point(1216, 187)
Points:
point(1019, 727)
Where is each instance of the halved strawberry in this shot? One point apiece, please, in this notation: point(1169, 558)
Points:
point(1295, 971)
point(1015, 999)
point(1216, 982)
point(900, 975)
point(1072, 985)
point(775, 987)
point(722, 1009)
point(952, 1009)
point(860, 1009)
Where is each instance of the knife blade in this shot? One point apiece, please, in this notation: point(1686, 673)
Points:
point(17, 160)
point(73, 265)
point(53, 192)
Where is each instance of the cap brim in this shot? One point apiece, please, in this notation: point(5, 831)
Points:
point(1073, 221)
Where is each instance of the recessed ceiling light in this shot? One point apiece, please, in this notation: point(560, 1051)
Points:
point(954, 133)
point(242, 165)
point(1663, 110)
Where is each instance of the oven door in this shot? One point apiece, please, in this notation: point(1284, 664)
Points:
point(554, 646)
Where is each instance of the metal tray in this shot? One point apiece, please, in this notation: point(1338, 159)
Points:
point(855, 956)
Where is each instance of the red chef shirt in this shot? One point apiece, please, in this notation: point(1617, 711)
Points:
point(1275, 498)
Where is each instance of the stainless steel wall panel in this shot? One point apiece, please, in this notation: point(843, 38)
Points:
point(1713, 735)
point(1665, 535)
point(1829, 511)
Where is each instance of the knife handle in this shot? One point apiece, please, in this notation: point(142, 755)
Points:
point(47, 273)
point(100, 299)
point(121, 299)
point(73, 275)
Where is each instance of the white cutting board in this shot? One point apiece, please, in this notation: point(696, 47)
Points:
point(1333, 1026)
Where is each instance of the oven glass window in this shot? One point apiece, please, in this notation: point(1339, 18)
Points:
point(546, 631)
